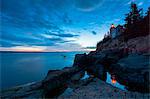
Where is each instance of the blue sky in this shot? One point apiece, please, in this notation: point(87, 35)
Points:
point(59, 25)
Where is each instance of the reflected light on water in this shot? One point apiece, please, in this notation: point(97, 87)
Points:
point(113, 81)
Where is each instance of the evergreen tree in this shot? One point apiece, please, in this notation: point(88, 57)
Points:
point(146, 22)
point(133, 19)
point(128, 20)
point(134, 15)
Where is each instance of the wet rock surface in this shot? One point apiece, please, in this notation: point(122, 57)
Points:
point(97, 89)
point(31, 90)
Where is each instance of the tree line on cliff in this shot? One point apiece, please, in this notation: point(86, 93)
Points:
point(136, 24)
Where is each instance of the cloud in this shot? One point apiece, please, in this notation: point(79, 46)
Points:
point(6, 43)
point(141, 3)
point(23, 48)
point(130, 1)
point(69, 47)
point(88, 5)
point(90, 48)
point(47, 36)
point(66, 19)
point(94, 33)
point(65, 35)
point(116, 20)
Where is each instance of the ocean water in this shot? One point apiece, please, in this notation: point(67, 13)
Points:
point(22, 68)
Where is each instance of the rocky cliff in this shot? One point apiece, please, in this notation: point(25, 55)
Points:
point(138, 44)
point(128, 61)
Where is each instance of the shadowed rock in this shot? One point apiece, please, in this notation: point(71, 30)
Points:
point(133, 71)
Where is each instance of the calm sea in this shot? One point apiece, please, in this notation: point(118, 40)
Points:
point(22, 68)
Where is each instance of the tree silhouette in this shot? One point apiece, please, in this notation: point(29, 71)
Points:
point(146, 22)
point(134, 23)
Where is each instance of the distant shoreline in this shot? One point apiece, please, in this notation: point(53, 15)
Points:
point(40, 52)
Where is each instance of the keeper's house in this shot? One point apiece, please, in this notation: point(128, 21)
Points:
point(116, 31)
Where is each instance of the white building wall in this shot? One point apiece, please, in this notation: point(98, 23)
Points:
point(113, 33)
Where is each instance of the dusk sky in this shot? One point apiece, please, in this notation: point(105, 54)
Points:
point(59, 25)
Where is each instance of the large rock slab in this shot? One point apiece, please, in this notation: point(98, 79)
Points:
point(56, 81)
point(98, 89)
point(30, 90)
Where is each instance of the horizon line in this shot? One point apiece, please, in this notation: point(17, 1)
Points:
point(44, 51)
